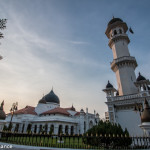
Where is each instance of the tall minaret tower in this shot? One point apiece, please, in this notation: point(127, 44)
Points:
point(123, 64)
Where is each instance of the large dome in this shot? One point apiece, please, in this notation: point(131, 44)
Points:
point(50, 97)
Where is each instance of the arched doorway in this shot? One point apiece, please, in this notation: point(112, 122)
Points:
point(72, 130)
point(35, 128)
point(91, 124)
point(17, 127)
point(52, 129)
point(29, 128)
point(60, 130)
point(66, 129)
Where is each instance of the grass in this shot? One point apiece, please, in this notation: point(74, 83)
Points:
point(48, 141)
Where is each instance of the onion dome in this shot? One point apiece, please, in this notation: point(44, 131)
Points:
point(140, 77)
point(114, 20)
point(109, 85)
point(2, 113)
point(50, 98)
point(145, 117)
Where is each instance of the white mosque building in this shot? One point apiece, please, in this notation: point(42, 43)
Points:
point(49, 117)
point(125, 104)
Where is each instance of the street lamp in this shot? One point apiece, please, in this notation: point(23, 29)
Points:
point(12, 110)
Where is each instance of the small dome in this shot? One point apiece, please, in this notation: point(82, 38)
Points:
point(140, 77)
point(145, 117)
point(109, 85)
point(81, 110)
point(50, 97)
point(114, 20)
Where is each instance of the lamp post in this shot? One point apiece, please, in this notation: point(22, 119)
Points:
point(12, 110)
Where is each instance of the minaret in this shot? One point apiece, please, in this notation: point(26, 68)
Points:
point(123, 64)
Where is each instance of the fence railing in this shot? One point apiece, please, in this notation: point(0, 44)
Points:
point(77, 141)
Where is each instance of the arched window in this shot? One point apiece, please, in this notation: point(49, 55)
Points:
point(115, 32)
point(120, 31)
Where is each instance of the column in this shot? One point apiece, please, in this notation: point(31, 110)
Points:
point(38, 128)
point(32, 128)
point(13, 127)
point(69, 129)
point(48, 128)
point(63, 129)
point(25, 127)
point(20, 127)
point(56, 128)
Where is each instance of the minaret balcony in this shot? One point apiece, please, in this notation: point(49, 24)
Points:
point(117, 38)
point(125, 60)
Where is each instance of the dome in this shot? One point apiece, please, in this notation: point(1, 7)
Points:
point(50, 97)
point(140, 77)
point(109, 85)
point(145, 117)
point(114, 20)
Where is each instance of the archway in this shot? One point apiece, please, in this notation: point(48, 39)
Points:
point(29, 128)
point(72, 130)
point(17, 127)
point(91, 124)
point(60, 130)
point(66, 129)
point(35, 128)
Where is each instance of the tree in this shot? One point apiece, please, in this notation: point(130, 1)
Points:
point(107, 134)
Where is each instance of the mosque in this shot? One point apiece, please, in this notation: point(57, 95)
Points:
point(126, 102)
point(49, 117)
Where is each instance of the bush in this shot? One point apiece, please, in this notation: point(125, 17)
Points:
point(108, 135)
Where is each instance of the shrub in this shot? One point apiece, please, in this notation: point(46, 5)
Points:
point(108, 135)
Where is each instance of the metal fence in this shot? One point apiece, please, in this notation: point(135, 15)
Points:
point(77, 141)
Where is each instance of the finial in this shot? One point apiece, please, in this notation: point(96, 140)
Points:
point(113, 17)
point(52, 88)
point(108, 81)
point(139, 73)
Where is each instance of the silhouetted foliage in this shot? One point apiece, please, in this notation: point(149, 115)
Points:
point(107, 134)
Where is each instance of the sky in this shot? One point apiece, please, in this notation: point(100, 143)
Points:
point(62, 44)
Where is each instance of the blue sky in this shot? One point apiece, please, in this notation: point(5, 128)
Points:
point(62, 43)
